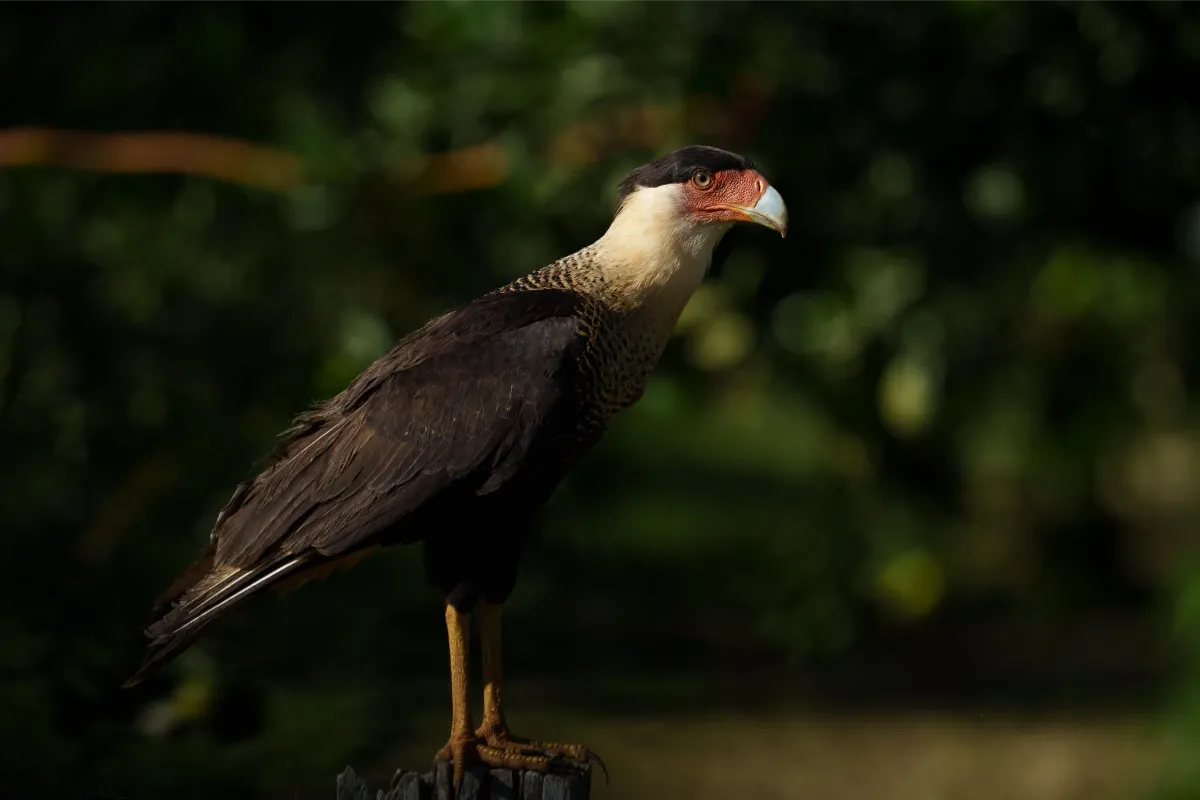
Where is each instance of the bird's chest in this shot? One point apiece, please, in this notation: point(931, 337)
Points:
point(623, 354)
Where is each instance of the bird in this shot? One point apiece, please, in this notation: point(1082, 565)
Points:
point(455, 437)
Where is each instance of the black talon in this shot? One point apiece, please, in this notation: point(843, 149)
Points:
point(593, 757)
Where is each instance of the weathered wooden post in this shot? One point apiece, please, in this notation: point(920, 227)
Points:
point(478, 783)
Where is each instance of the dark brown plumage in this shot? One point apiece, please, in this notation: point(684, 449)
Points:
point(460, 433)
point(494, 386)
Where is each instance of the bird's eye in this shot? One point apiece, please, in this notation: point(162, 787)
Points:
point(702, 179)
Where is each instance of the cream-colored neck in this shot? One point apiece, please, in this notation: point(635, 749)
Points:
point(652, 257)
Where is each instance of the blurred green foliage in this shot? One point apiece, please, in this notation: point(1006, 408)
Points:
point(942, 438)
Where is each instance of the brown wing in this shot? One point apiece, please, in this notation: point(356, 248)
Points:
point(456, 407)
point(464, 420)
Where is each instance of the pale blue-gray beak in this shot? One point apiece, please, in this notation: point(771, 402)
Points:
point(768, 211)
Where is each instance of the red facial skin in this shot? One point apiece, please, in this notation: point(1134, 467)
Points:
point(719, 200)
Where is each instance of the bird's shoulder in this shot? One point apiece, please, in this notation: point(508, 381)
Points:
point(542, 315)
point(492, 314)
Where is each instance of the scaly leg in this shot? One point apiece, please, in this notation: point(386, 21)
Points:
point(464, 745)
point(494, 730)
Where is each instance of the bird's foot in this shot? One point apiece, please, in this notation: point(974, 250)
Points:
point(476, 750)
point(498, 737)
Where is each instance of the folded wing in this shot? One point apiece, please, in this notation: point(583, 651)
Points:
point(456, 409)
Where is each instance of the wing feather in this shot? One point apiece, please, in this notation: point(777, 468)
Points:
point(400, 437)
point(454, 408)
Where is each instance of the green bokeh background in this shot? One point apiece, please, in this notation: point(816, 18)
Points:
point(928, 466)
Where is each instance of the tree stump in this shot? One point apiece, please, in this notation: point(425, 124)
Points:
point(478, 783)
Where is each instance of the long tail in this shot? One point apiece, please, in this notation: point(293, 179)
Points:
point(200, 596)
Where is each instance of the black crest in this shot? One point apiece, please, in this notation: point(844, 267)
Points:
point(678, 167)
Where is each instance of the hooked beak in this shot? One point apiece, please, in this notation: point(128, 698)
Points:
point(769, 211)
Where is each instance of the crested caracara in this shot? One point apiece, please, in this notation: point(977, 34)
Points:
point(457, 435)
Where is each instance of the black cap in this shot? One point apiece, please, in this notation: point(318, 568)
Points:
point(679, 166)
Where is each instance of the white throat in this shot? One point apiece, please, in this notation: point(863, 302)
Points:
point(652, 256)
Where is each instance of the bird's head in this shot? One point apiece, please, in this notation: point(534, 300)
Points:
point(672, 213)
point(704, 186)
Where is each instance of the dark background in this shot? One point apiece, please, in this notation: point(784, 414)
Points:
point(908, 510)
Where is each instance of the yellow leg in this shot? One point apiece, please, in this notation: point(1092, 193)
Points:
point(465, 745)
point(489, 634)
point(494, 731)
point(458, 626)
